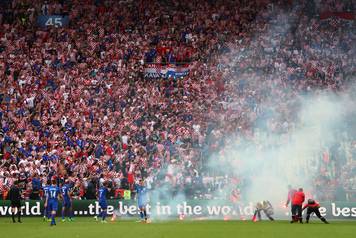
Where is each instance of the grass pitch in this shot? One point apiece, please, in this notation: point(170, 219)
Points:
point(87, 228)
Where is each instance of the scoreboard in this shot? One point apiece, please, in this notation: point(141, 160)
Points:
point(52, 21)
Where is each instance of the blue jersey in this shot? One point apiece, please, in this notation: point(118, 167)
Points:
point(141, 194)
point(65, 192)
point(45, 191)
point(53, 192)
point(102, 194)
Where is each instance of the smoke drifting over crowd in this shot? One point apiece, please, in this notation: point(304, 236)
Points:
point(310, 120)
point(273, 161)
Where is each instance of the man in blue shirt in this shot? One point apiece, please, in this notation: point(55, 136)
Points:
point(102, 193)
point(142, 199)
point(67, 201)
point(46, 213)
point(52, 201)
point(36, 186)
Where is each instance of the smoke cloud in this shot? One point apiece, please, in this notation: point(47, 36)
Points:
point(309, 122)
point(293, 128)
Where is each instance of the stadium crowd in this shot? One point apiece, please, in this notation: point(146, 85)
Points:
point(74, 102)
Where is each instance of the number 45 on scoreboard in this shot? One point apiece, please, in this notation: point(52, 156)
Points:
point(53, 20)
point(56, 21)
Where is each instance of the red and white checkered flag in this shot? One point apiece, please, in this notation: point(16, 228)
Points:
point(101, 32)
point(334, 22)
point(231, 45)
point(93, 45)
point(159, 60)
point(32, 138)
point(2, 186)
point(50, 129)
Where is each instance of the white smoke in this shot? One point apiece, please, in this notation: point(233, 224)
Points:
point(272, 160)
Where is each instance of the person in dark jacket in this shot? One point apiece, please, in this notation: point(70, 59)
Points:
point(313, 207)
point(15, 198)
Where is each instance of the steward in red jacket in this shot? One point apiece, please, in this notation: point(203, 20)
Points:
point(297, 203)
point(298, 198)
point(313, 207)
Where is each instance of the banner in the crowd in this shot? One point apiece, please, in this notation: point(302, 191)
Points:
point(159, 71)
point(194, 209)
point(52, 21)
point(340, 15)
